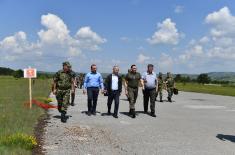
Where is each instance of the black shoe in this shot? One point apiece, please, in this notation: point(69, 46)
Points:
point(63, 117)
point(153, 115)
point(133, 113)
point(115, 116)
point(93, 113)
point(72, 104)
point(89, 113)
point(109, 113)
point(161, 100)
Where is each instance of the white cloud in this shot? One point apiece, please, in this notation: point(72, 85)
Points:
point(179, 9)
point(56, 30)
point(204, 40)
point(223, 23)
point(54, 42)
point(17, 44)
point(89, 39)
point(167, 33)
point(212, 51)
point(142, 58)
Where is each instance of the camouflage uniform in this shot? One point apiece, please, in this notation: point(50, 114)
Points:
point(170, 86)
point(63, 82)
point(81, 80)
point(160, 86)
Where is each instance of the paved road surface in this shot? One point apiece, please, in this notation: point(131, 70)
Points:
point(194, 124)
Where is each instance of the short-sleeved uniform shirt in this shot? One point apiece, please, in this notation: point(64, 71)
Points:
point(133, 79)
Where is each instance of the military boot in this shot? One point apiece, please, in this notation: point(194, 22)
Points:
point(169, 99)
point(63, 117)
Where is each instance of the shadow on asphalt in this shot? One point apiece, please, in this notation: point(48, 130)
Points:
point(106, 114)
point(124, 99)
point(222, 137)
point(86, 112)
point(59, 117)
point(137, 113)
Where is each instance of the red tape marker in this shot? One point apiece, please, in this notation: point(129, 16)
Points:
point(42, 105)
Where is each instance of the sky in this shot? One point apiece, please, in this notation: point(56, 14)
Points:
point(179, 36)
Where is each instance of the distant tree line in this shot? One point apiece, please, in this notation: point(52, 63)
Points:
point(20, 73)
point(10, 72)
point(202, 79)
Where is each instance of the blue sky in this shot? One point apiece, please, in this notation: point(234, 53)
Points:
point(177, 36)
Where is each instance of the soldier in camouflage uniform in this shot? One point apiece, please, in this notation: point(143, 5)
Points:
point(81, 80)
point(170, 84)
point(63, 83)
point(160, 86)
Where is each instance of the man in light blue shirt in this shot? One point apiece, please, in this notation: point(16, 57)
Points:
point(92, 83)
point(149, 81)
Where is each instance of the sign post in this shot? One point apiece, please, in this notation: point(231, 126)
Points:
point(30, 73)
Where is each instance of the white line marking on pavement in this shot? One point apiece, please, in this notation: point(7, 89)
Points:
point(125, 122)
point(204, 107)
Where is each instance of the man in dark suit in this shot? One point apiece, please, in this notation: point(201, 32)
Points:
point(114, 90)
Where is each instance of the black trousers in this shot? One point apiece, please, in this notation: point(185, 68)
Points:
point(113, 95)
point(92, 94)
point(149, 94)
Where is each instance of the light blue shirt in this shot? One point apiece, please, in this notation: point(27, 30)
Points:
point(150, 80)
point(93, 80)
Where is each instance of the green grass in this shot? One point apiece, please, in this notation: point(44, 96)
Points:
point(209, 89)
point(15, 117)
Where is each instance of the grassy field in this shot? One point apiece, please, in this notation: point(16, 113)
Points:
point(209, 89)
point(17, 122)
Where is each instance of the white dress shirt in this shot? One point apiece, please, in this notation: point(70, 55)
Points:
point(114, 82)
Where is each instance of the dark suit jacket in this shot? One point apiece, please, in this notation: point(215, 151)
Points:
point(108, 83)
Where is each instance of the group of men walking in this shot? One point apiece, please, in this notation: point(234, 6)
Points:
point(65, 83)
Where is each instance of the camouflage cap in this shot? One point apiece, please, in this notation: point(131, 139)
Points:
point(66, 63)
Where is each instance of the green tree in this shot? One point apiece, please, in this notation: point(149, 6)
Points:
point(18, 73)
point(178, 78)
point(203, 78)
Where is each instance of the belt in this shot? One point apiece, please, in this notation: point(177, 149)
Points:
point(64, 88)
point(92, 87)
point(133, 87)
point(150, 88)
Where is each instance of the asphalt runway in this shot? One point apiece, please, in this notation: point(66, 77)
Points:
point(193, 124)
